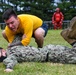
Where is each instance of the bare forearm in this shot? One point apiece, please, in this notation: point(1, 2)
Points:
point(15, 44)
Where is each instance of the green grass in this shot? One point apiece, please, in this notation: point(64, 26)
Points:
point(37, 68)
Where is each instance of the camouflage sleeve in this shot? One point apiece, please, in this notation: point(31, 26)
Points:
point(10, 61)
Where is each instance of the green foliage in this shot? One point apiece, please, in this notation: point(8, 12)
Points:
point(41, 8)
point(68, 9)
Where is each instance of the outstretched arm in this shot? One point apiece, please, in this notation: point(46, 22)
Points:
point(14, 44)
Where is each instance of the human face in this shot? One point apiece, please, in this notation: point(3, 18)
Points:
point(12, 23)
point(2, 52)
point(57, 10)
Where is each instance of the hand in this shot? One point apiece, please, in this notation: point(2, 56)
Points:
point(14, 44)
point(61, 23)
point(8, 70)
point(24, 36)
point(9, 45)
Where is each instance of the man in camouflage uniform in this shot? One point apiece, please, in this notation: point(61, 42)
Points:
point(51, 53)
point(69, 34)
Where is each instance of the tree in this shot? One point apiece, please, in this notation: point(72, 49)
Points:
point(41, 8)
point(68, 8)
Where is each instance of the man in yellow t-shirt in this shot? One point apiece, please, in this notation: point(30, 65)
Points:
point(25, 24)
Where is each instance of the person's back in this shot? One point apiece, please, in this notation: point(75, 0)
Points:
point(25, 18)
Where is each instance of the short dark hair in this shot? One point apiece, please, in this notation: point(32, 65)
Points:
point(1, 48)
point(8, 13)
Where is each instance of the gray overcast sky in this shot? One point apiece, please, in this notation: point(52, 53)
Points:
point(56, 0)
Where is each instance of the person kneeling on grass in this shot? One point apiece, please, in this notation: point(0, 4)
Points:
point(51, 53)
point(28, 25)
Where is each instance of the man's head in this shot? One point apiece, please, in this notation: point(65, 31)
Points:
point(2, 54)
point(11, 19)
point(57, 9)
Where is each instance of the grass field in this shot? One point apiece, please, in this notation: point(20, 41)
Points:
point(37, 68)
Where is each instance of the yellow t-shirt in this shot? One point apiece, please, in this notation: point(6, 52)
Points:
point(28, 23)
